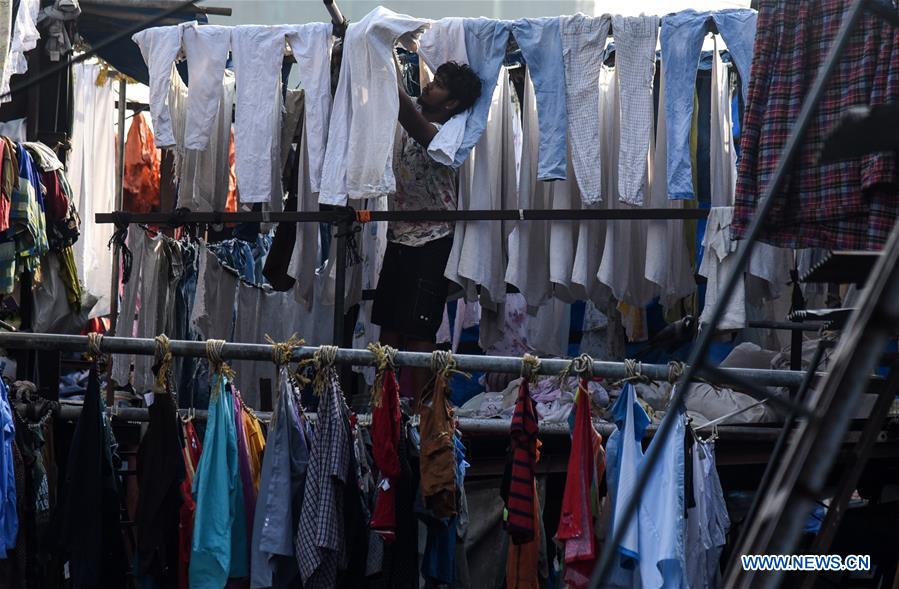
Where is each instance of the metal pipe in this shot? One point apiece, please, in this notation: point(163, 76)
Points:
point(356, 357)
point(338, 21)
point(700, 350)
point(335, 216)
point(119, 202)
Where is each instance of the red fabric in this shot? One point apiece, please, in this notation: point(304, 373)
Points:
point(585, 469)
point(849, 204)
point(385, 435)
point(5, 196)
point(56, 204)
point(520, 496)
point(192, 450)
point(140, 187)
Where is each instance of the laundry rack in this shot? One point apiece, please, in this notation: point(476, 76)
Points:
point(356, 357)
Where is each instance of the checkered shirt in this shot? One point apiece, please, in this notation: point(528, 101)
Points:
point(851, 204)
point(319, 543)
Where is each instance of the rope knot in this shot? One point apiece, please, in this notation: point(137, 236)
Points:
point(323, 359)
point(583, 366)
point(385, 359)
point(219, 367)
point(94, 341)
point(163, 357)
point(282, 352)
point(443, 364)
point(530, 366)
point(675, 371)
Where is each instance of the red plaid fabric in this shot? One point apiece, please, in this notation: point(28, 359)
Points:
point(520, 499)
point(851, 204)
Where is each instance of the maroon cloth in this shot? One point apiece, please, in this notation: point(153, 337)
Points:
point(522, 468)
point(385, 435)
point(192, 450)
point(851, 204)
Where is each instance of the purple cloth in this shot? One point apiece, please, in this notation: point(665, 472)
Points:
point(243, 466)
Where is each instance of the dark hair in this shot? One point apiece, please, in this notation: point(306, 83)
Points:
point(462, 83)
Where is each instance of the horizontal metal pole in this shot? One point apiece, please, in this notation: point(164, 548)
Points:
point(263, 352)
point(788, 325)
point(176, 218)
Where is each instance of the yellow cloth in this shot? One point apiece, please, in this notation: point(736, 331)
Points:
point(255, 445)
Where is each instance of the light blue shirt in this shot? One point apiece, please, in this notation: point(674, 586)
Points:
point(219, 546)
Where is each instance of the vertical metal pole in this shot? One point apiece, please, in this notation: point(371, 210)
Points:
point(343, 232)
point(119, 199)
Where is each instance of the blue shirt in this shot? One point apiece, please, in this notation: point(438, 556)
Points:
point(219, 545)
point(9, 519)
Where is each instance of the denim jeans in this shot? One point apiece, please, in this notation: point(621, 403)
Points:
point(485, 39)
point(681, 37)
point(540, 40)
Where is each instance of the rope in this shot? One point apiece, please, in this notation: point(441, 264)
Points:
point(323, 359)
point(530, 366)
point(163, 357)
point(675, 371)
point(282, 352)
point(94, 341)
point(219, 367)
point(443, 363)
point(633, 370)
point(385, 359)
point(583, 366)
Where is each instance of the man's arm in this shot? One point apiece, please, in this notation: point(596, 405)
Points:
point(418, 127)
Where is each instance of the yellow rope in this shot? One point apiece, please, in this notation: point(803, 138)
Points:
point(530, 366)
point(164, 360)
point(385, 358)
point(94, 341)
point(219, 368)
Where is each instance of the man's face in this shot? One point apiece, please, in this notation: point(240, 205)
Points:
point(434, 97)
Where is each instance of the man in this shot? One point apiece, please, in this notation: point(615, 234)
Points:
point(411, 289)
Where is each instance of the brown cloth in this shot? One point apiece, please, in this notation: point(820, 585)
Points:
point(438, 460)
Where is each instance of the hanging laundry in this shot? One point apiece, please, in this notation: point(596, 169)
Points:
point(519, 490)
point(273, 560)
point(586, 466)
point(437, 460)
point(214, 303)
point(25, 36)
point(248, 492)
point(635, 56)
point(681, 39)
point(206, 48)
point(91, 173)
point(63, 223)
point(563, 236)
point(540, 40)
point(850, 204)
point(707, 522)
point(668, 263)
point(26, 239)
point(205, 178)
point(485, 45)
point(255, 446)
point(624, 253)
point(311, 47)
point(161, 471)
point(493, 187)
point(88, 526)
point(528, 267)
point(9, 169)
point(219, 547)
point(385, 434)
point(9, 517)
point(6, 32)
point(583, 41)
point(141, 181)
point(192, 449)
point(359, 156)
point(320, 543)
point(159, 47)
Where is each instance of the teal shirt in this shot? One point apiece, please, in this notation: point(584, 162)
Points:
point(219, 547)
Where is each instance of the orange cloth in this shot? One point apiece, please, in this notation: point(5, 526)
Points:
point(523, 560)
point(231, 203)
point(255, 445)
point(141, 181)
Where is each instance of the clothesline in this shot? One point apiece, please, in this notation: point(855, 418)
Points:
point(336, 216)
point(357, 357)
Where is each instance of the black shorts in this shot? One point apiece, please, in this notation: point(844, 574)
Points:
point(412, 290)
